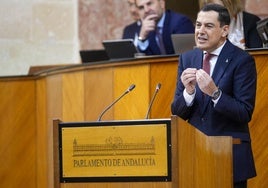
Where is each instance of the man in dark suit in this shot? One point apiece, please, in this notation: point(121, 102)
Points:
point(132, 30)
point(157, 26)
point(220, 101)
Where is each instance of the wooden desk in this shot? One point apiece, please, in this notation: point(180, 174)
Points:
point(80, 93)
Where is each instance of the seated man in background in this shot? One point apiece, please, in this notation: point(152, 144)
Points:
point(157, 25)
point(131, 31)
point(243, 27)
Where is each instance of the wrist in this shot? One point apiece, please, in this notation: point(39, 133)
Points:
point(216, 94)
point(142, 39)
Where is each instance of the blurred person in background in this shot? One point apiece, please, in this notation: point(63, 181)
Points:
point(157, 25)
point(131, 31)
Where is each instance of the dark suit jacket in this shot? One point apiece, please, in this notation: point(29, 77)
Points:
point(235, 75)
point(252, 37)
point(173, 23)
point(130, 31)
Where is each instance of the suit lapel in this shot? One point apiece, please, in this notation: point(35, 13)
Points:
point(224, 59)
point(153, 44)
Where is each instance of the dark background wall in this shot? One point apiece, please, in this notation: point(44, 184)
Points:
point(187, 7)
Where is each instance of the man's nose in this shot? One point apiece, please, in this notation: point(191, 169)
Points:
point(147, 9)
point(201, 29)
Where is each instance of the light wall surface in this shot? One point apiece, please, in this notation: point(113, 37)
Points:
point(258, 7)
point(100, 20)
point(37, 32)
point(51, 32)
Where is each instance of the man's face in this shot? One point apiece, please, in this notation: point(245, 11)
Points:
point(209, 35)
point(148, 7)
point(133, 10)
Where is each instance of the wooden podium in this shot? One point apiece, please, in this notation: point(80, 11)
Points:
point(202, 161)
point(186, 159)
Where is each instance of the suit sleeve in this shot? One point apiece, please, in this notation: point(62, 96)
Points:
point(178, 106)
point(239, 104)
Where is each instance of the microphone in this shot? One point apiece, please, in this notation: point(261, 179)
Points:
point(158, 86)
point(130, 88)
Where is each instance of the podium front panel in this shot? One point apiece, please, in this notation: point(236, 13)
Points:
point(116, 151)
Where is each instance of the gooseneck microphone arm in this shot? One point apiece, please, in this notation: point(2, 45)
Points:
point(158, 86)
point(130, 88)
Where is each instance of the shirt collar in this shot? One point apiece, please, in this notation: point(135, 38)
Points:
point(160, 24)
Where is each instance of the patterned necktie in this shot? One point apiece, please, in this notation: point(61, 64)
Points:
point(206, 67)
point(206, 64)
point(160, 40)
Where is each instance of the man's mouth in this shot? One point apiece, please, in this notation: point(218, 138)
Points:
point(202, 39)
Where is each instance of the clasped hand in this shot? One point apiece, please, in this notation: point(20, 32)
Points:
point(191, 76)
point(148, 25)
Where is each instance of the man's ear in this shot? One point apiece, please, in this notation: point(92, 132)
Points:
point(225, 30)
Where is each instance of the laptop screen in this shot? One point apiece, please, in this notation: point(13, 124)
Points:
point(88, 56)
point(120, 48)
point(183, 42)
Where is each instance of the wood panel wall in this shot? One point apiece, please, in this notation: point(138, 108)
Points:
point(80, 93)
point(18, 133)
point(259, 123)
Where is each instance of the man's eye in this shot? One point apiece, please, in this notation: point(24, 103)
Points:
point(209, 26)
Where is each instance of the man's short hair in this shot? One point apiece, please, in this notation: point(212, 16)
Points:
point(224, 16)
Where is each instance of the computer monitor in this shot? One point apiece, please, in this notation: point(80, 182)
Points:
point(88, 56)
point(120, 48)
point(183, 42)
point(262, 28)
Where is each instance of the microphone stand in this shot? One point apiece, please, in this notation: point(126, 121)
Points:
point(107, 108)
point(151, 103)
